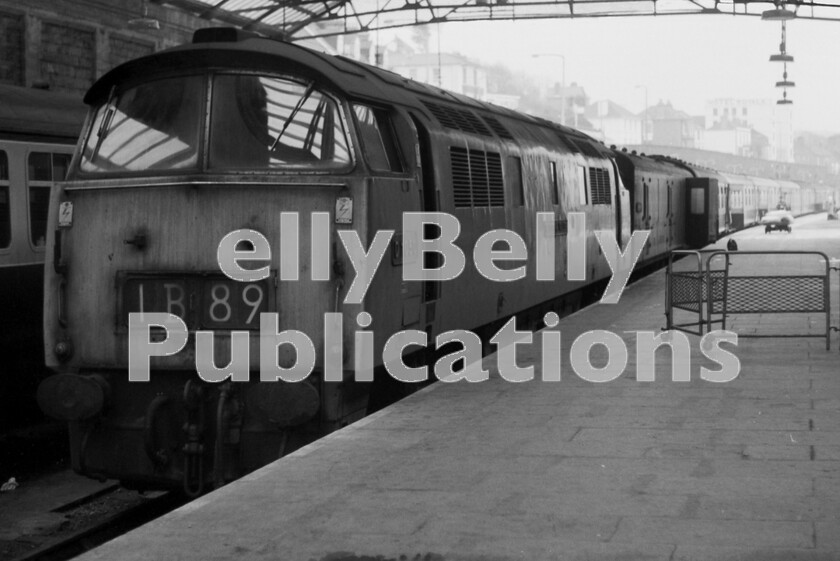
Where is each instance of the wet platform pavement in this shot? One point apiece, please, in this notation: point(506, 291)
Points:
point(567, 470)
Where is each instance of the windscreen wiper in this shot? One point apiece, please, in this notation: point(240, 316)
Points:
point(309, 88)
point(105, 125)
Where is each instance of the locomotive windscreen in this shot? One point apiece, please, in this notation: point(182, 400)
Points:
point(263, 122)
point(153, 126)
point(255, 122)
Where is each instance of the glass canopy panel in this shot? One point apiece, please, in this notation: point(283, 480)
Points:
point(302, 19)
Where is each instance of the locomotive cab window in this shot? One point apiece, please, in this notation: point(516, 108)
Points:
point(378, 139)
point(516, 186)
point(5, 203)
point(583, 190)
point(259, 122)
point(44, 169)
point(150, 127)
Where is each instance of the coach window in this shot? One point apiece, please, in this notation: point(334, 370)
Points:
point(261, 122)
point(378, 139)
point(555, 185)
point(44, 169)
point(151, 127)
point(5, 206)
point(698, 201)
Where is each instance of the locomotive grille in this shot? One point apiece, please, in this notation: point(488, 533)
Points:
point(495, 179)
point(477, 179)
point(497, 127)
point(599, 183)
point(460, 177)
point(585, 147)
point(458, 119)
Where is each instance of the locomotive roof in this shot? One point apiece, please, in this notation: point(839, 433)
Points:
point(232, 48)
point(34, 114)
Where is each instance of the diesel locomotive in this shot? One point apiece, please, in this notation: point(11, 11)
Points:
point(236, 133)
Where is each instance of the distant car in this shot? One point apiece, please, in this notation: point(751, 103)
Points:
point(777, 220)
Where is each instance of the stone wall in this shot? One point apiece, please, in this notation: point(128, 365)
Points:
point(11, 47)
point(68, 57)
point(65, 45)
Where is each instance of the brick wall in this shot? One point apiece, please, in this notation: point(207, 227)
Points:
point(67, 44)
point(11, 48)
point(68, 57)
point(122, 49)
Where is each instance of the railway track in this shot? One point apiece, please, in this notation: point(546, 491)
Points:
point(90, 522)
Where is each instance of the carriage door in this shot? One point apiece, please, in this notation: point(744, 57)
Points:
point(727, 213)
point(429, 202)
point(669, 213)
point(621, 208)
point(701, 211)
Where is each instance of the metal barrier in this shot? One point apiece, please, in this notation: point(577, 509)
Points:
point(834, 265)
point(691, 291)
point(714, 294)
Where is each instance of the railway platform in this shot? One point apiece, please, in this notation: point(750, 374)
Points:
point(743, 470)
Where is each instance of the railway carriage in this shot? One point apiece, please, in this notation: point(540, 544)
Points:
point(657, 197)
point(38, 130)
point(790, 195)
point(807, 197)
point(721, 223)
point(741, 206)
point(766, 195)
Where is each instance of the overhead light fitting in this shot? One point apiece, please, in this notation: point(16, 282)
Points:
point(144, 22)
point(782, 15)
point(782, 56)
point(779, 14)
point(784, 100)
point(785, 83)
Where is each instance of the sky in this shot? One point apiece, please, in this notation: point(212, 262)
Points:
point(686, 60)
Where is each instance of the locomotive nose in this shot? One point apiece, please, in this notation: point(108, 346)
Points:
point(70, 397)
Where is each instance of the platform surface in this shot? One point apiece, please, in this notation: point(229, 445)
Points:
point(745, 470)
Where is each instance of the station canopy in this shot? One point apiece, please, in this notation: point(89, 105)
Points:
point(301, 19)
